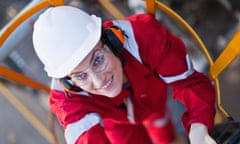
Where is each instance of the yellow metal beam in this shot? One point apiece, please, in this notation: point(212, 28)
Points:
point(229, 53)
point(17, 77)
point(111, 8)
point(56, 2)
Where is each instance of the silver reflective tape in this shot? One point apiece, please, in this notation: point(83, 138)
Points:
point(182, 76)
point(55, 85)
point(161, 122)
point(130, 109)
point(76, 129)
point(130, 42)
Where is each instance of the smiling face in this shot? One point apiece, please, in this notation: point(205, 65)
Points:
point(100, 72)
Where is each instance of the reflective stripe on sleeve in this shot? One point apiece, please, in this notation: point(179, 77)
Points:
point(182, 76)
point(76, 129)
point(161, 122)
point(55, 85)
point(130, 42)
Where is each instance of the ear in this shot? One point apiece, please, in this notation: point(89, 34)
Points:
point(118, 33)
point(68, 86)
point(114, 36)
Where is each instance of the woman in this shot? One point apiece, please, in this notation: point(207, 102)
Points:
point(110, 80)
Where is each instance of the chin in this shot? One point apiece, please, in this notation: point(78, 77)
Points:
point(113, 93)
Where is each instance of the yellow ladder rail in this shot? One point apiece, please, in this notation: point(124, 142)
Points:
point(23, 16)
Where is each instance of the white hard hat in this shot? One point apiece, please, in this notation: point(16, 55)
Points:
point(63, 36)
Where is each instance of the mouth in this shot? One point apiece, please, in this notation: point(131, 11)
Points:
point(108, 84)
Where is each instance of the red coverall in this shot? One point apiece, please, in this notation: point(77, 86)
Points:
point(155, 60)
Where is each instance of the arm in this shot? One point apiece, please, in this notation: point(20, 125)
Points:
point(166, 55)
point(86, 130)
point(79, 125)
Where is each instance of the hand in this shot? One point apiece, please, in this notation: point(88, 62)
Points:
point(199, 134)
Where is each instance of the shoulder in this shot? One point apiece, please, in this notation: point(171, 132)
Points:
point(145, 36)
point(140, 18)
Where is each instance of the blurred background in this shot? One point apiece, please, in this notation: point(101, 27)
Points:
point(25, 117)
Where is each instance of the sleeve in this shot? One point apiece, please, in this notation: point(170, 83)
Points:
point(80, 126)
point(93, 136)
point(165, 54)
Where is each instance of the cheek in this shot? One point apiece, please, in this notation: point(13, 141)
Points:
point(116, 67)
point(117, 71)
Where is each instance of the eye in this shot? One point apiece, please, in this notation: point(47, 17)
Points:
point(98, 60)
point(80, 76)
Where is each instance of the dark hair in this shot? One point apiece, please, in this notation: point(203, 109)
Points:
point(111, 40)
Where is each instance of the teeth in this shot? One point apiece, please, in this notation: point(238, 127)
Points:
point(109, 82)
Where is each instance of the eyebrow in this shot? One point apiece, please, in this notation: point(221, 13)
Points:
point(94, 52)
point(92, 57)
point(91, 60)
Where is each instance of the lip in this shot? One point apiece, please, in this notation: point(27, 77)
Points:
point(108, 85)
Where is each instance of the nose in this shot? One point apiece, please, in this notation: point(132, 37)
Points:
point(97, 80)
